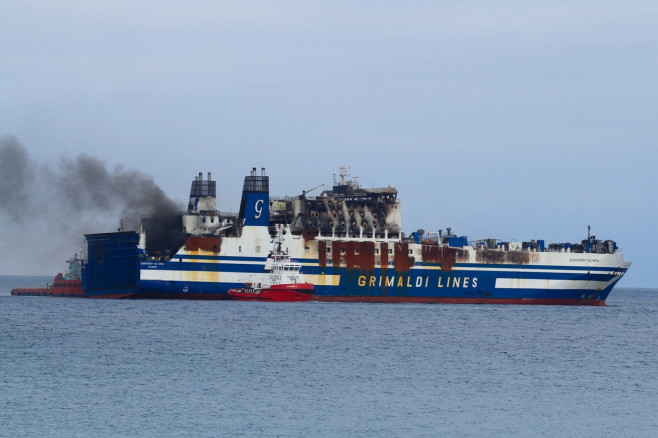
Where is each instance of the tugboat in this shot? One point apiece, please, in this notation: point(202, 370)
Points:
point(64, 285)
point(284, 280)
point(275, 292)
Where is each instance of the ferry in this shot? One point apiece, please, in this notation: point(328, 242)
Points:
point(349, 244)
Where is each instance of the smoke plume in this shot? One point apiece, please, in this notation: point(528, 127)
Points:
point(45, 209)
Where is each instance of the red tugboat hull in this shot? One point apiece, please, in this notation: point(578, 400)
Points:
point(61, 287)
point(277, 292)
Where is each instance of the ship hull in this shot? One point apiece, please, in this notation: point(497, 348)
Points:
point(460, 300)
point(473, 284)
point(210, 277)
point(185, 290)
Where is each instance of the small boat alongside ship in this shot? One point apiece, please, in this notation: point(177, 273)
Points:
point(68, 284)
point(283, 280)
point(275, 292)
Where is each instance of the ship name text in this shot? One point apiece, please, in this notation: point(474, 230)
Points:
point(420, 281)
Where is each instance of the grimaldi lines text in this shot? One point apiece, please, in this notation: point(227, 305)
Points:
point(420, 281)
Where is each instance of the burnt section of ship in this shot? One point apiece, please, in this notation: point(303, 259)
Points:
point(443, 250)
point(346, 211)
point(202, 217)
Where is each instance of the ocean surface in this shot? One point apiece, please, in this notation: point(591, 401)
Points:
point(74, 367)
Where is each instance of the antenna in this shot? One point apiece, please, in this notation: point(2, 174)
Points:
point(344, 173)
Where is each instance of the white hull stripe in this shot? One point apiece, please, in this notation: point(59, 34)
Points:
point(535, 283)
point(560, 270)
point(557, 270)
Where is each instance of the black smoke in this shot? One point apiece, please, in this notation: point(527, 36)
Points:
point(46, 208)
point(16, 176)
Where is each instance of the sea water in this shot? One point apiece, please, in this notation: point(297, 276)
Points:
point(73, 367)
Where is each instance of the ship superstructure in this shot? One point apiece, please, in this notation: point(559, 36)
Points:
point(349, 244)
point(348, 210)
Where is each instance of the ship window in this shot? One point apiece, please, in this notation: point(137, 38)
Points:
point(328, 250)
point(342, 250)
point(411, 252)
point(390, 251)
point(239, 249)
point(376, 250)
point(356, 250)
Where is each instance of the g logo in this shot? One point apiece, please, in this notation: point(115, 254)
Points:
point(259, 208)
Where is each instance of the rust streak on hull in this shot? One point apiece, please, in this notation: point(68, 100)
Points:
point(444, 256)
point(322, 253)
point(402, 260)
point(196, 243)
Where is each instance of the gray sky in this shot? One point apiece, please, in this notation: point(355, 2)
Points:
point(514, 120)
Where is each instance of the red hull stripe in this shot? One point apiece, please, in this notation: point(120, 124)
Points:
point(112, 296)
point(446, 300)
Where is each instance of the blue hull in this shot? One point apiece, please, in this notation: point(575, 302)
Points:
point(423, 283)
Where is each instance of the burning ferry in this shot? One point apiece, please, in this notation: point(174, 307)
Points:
point(349, 244)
